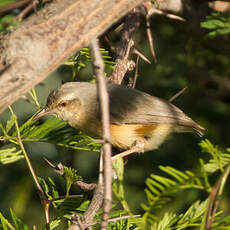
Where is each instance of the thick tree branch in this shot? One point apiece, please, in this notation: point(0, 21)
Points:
point(84, 221)
point(84, 186)
point(40, 44)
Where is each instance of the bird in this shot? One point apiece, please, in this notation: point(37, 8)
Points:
point(138, 121)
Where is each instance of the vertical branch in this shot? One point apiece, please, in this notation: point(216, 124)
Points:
point(122, 63)
point(98, 68)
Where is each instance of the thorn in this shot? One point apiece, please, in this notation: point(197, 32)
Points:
point(150, 38)
point(49, 163)
point(136, 72)
point(137, 52)
point(177, 94)
point(153, 11)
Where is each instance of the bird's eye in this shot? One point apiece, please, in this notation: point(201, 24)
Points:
point(63, 104)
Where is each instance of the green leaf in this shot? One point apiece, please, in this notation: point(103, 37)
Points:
point(167, 221)
point(3, 129)
point(118, 189)
point(53, 131)
point(17, 222)
point(219, 159)
point(218, 23)
point(10, 123)
point(34, 97)
point(49, 188)
point(55, 223)
point(45, 187)
point(7, 20)
point(83, 56)
point(6, 2)
point(178, 175)
point(10, 155)
point(194, 212)
point(58, 132)
point(117, 185)
point(70, 204)
point(192, 217)
point(213, 165)
point(159, 188)
point(71, 176)
point(118, 166)
point(4, 223)
point(53, 188)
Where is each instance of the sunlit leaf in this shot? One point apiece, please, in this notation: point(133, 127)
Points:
point(10, 155)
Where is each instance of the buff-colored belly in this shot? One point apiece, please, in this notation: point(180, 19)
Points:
point(126, 136)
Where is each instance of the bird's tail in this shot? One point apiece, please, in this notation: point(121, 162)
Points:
point(189, 128)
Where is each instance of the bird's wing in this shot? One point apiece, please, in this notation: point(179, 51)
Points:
point(130, 106)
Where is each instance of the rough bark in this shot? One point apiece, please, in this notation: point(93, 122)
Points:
point(45, 40)
point(38, 45)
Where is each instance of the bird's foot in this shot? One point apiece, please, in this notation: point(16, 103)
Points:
point(135, 149)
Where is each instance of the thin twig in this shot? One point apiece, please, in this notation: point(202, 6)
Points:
point(141, 55)
point(177, 94)
point(118, 219)
point(136, 73)
point(64, 197)
point(135, 149)
point(25, 11)
point(44, 200)
point(214, 196)
point(98, 68)
point(50, 164)
point(28, 9)
point(26, 156)
point(101, 167)
point(153, 11)
point(150, 38)
point(13, 5)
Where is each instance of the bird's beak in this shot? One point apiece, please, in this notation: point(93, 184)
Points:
point(41, 113)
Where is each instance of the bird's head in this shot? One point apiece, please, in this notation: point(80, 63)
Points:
point(64, 102)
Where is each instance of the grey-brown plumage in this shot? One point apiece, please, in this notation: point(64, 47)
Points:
point(135, 117)
point(142, 108)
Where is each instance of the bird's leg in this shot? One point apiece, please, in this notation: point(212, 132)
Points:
point(128, 152)
point(135, 149)
point(138, 147)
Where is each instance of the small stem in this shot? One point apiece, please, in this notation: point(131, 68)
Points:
point(44, 201)
point(26, 155)
point(177, 94)
point(115, 219)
